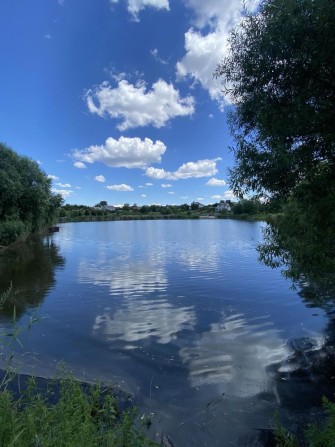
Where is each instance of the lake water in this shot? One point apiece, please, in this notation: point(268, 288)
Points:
point(179, 313)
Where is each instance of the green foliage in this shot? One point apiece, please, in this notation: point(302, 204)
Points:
point(280, 74)
point(323, 435)
point(12, 230)
point(80, 416)
point(317, 435)
point(302, 238)
point(245, 206)
point(25, 196)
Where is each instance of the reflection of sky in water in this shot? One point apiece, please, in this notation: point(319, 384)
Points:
point(234, 354)
point(125, 275)
point(187, 300)
point(141, 319)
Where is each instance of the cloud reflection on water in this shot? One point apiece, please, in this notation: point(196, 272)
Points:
point(234, 355)
point(141, 319)
point(125, 275)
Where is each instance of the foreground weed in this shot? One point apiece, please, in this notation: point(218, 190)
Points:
point(317, 435)
point(323, 435)
point(81, 416)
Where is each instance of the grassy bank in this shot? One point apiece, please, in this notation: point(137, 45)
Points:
point(66, 413)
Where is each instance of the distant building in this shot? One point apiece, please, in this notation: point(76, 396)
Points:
point(104, 208)
point(108, 208)
point(223, 206)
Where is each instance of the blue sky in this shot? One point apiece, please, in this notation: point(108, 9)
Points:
point(116, 98)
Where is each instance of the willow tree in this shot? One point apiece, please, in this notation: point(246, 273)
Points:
point(280, 74)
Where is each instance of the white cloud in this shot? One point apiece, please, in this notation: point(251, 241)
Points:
point(124, 152)
point(121, 187)
point(135, 6)
point(184, 197)
point(137, 107)
point(166, 185)
point(211, 116)
point(215, 182)
point(79, 165)
point(217, 197)
point(77, 187)
point(197, 169)
point(156, 56)
point(203, 53)
point(149, 184)
point(63, 192)
point(171, 192)
point(100, 178)
point(200, 199)
point(47, 36)
point(61, 2)
point(229, 195)
point(64, 185)
point(53, 177)
point(143, 195)
point(205, 49)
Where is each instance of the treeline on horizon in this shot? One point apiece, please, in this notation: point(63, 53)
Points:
point(244, 208)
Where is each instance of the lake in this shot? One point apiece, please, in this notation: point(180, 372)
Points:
point(179, 313)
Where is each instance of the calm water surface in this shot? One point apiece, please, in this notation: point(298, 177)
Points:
point(179, 313)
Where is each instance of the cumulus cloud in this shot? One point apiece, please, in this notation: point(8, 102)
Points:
point(79, 165)
point(63, 192)
point(229, 195)
point(100, 178)
point(135, 6)
point(149, 184)
point(64, 185)
point(136, 106)
point(166, 185)
point(206, 44)
point(121, 187)
point(53, 177)
point(197, 169)
point(217, 197)
point(124, 152)
point(215, 182)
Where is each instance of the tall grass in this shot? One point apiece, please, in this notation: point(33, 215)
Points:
point(79, 416)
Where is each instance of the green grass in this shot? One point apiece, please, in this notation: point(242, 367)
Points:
point(316, 434)
point(78, 416)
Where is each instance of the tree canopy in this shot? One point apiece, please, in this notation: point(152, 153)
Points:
point(26, 201)
point(280, 73)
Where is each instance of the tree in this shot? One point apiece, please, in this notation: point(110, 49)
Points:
point(26, 201)
point(280, 74)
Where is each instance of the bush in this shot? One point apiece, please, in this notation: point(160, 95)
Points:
point(12, 230)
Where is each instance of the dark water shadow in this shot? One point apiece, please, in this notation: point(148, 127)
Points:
point(29, 267)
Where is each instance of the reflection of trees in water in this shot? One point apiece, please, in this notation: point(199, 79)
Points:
point(304, 378)
point(306, 253)
point(30, 267)
point(301, 242)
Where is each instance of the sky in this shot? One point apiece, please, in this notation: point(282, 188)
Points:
point(116, 99)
